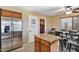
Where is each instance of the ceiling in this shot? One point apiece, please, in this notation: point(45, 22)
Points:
point(47, 10)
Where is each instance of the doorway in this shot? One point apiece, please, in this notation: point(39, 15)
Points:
point(36, 26)
point(33, 27)
point(42, 25)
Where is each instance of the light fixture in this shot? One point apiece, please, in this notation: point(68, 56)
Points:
point(68, 10)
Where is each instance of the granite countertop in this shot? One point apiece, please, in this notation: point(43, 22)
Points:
point(48, 37)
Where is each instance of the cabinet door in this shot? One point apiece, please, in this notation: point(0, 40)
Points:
point(37, 44)
point(37, 47)
point(54, 47)
point(17, 15)
point(7, 13)
point(45, 48)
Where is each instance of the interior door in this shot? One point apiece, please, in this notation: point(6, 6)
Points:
point(33, 27)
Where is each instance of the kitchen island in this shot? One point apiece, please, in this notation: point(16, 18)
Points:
point(46, 43)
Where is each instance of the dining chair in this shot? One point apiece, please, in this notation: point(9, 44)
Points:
point(72, 42)
point(63, 40)
point(60, 34)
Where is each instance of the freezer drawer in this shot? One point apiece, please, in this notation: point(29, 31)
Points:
point(16, 42)
point(6, 44)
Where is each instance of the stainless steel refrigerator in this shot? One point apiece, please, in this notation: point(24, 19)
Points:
point(11, 33)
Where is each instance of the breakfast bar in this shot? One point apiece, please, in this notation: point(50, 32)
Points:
point(46, 43)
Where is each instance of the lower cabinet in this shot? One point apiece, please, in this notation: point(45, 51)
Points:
point(45, 46)
point(41, 45)
point(37, 44)
point(55, 47)
point(37, 47)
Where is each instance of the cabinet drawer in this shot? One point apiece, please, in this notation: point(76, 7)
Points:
point(37, 39)
point(45, 43)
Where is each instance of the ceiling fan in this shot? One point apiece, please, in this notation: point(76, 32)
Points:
point(70, 10)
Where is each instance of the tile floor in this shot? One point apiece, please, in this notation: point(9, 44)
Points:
point(30, 48)
point(25, 48)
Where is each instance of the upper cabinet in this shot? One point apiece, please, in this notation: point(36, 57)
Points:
point(9, 13)
point(17, 14)
point(6, 13)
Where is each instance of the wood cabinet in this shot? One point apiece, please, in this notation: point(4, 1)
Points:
point(37, 44)
point(42, 45)
point(17, 14)
point(9, 13)
point(45, 48)
point(55, 46)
